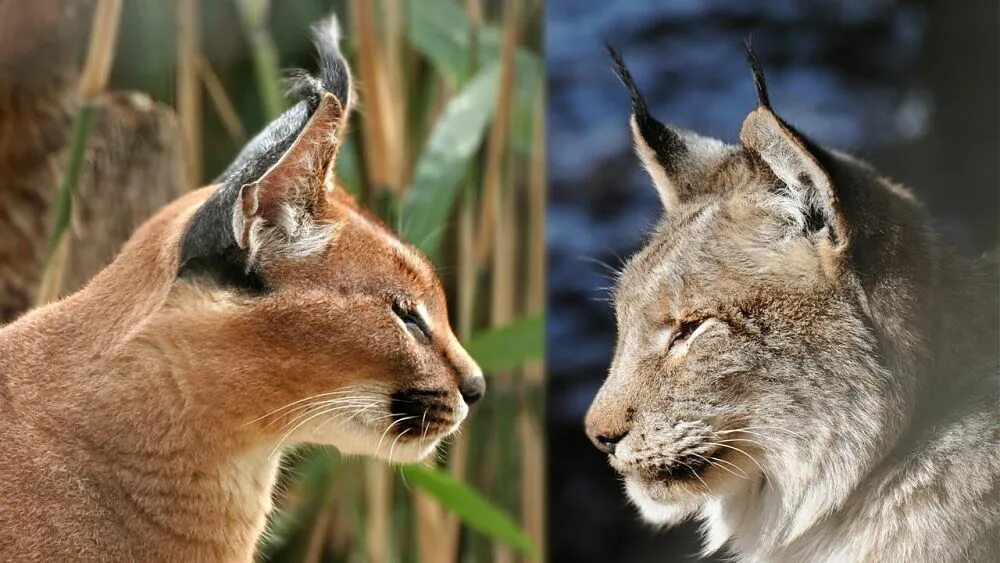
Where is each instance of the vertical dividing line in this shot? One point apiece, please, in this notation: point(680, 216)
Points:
point(94, 80)
point(530, 427)
point(188, 87)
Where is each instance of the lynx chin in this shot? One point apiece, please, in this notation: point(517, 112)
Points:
point(802, 364)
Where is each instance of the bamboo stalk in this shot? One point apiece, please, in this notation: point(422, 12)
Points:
point(94, 80)
point(497, 143)
point(188, 90)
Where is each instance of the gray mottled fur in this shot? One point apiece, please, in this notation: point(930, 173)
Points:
point(842, 382)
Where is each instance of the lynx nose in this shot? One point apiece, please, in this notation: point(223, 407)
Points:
point(604, 443)
point(473, 388)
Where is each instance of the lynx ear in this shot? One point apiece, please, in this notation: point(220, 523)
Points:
point(795, 161)
point(675, 159)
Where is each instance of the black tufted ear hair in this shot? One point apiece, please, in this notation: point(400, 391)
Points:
point(674, 158)
point(795, 160)
point(759, 82)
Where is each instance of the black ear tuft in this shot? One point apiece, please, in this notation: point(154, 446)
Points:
point(759, 83)
point(638, 102)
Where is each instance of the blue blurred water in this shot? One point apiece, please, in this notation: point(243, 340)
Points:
point(850, 74)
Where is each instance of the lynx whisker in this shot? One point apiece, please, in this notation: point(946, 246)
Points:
point(695, 473)
point(752, 458)
point(714, 461)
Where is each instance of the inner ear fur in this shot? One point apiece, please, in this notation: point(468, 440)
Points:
point(678, 161)
point(293, 191)
point(793, 159)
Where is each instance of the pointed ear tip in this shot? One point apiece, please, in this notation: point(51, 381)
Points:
point(759, 82)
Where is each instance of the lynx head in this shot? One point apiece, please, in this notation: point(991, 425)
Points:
point(747, 357)
point(308, 318)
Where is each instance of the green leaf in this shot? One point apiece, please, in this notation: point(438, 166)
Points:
point(510, 345)
point(455, 138)
point(441, 31)
point(477, 512)
point(253, 16)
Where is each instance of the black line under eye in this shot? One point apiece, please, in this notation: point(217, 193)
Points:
point(413, 321)
point(685, 331)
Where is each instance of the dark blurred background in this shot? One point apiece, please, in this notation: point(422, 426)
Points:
point(910, 86)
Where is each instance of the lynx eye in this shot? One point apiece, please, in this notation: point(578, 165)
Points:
point(412, 320)
point(684, 333)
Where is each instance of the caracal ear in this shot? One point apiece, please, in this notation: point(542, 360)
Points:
point(796, 162)
point(283, 208)
point(271, 200)
point(677, 160)
point(290, 196)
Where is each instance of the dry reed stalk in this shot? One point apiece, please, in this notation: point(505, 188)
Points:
point(395, 94)
point(93, 82)
point(101, 51)
point(496, 144)
point(430, 524)
point(222, 103)
point(318, 532)
point(378, 495)
point(188, 91)
point(371, 83)
point(51, 282)
point(503, 297)
point(475, 12)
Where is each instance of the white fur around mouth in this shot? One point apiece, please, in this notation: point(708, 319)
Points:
point(654, 511)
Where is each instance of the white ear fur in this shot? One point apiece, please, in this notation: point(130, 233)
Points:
point(280, 213)
point(808, 186)
point(698, 157)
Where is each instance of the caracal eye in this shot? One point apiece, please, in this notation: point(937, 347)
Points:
point(412, 320)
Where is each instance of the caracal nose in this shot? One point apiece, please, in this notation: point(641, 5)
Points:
point(473, 388)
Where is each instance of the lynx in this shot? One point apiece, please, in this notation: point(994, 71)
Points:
point(143, 418)
point(802, 364)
